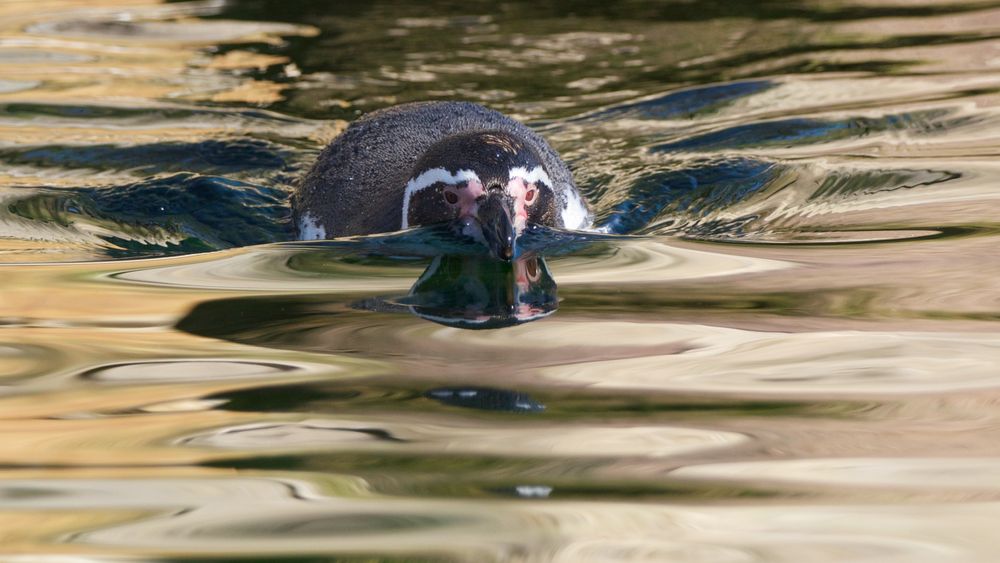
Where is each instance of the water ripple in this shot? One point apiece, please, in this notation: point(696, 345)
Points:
point(427, 437)
point(780, 344)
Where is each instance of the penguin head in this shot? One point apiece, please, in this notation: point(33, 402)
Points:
point(490, 184)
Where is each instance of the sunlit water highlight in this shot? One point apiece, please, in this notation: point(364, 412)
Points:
point(782, 345)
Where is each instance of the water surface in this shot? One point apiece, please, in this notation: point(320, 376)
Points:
point(783, 345)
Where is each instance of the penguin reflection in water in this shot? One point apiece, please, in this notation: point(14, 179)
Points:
point(438, 162)
point(472, 292)
point(456, 163)
point(466, 292)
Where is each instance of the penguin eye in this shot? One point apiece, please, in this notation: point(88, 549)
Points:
point(530, 195)
point(451, 198)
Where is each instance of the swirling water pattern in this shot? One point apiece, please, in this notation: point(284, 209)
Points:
point(784, 345)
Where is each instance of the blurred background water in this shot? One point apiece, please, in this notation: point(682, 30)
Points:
point(785, 348)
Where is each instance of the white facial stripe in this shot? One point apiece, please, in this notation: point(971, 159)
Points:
point(310, 229)
point(428, 178)
point(518, 189)
point(574, 214)
point(532, 176)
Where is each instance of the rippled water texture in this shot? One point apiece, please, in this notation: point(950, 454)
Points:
point(784, 345)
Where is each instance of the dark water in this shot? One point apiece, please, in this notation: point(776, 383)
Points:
point(783, 345)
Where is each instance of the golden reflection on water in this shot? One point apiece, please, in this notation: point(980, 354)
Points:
point(821, 388)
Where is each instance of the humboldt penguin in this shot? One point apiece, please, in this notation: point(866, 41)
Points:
point(486, 174)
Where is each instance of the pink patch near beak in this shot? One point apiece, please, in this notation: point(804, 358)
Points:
point(518, 189)
point(467, 196)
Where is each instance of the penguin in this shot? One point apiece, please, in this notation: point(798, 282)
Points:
point(423, 163)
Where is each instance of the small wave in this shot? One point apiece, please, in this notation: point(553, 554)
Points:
point(211, 156)
point(684, 104)
point(178, 214)
point(804, 131)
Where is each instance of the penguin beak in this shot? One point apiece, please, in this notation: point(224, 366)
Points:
point(498, 227)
